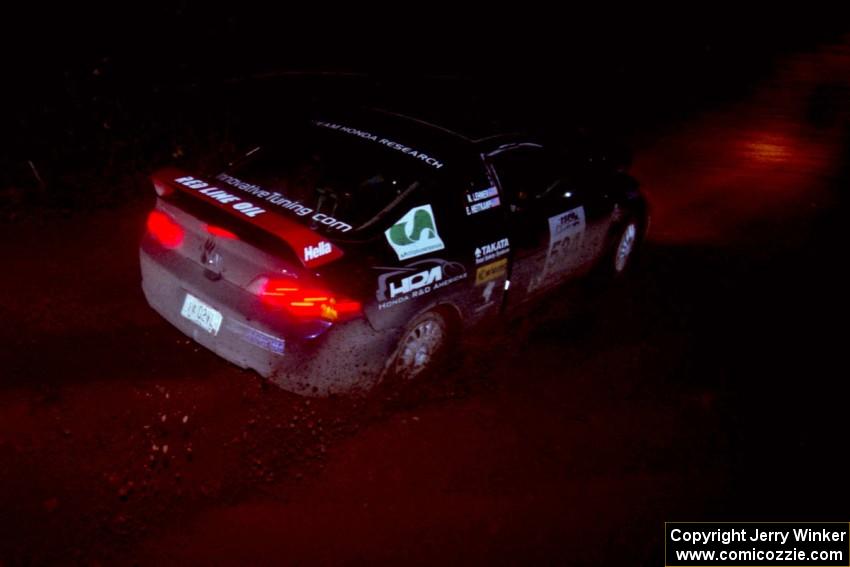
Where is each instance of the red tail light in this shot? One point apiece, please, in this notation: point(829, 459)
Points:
point(165, 229)
point(305, 301)
point(162, 189)
point(221, 232)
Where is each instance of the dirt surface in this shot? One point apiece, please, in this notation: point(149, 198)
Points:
point(706, 387)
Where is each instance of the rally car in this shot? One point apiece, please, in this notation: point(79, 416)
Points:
point(350, 249)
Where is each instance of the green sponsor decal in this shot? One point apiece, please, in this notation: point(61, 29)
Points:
point(415, 234)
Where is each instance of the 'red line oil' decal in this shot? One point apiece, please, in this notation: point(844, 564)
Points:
point(312, 249)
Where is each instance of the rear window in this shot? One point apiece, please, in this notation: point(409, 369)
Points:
point(337, 179)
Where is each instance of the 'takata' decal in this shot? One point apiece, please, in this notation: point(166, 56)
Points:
point(491, 251)
point(415, 234)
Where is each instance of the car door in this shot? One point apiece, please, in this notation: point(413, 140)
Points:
point(587, 196)
point(445, 243)
point(480, 226)
point(553, 219)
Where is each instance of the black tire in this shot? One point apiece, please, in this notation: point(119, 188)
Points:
point(625, 247)
point(421, 348)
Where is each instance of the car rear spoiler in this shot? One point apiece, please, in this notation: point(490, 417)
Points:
point(313, 249)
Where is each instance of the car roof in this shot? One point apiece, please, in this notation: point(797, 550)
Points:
point(470, 127)
point(456, 140)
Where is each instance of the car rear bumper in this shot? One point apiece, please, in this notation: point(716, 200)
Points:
point(316, 360)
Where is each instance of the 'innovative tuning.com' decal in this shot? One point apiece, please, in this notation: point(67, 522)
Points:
point(249, 209)
point(283, 202)
point(398, 285)
point(415, 234)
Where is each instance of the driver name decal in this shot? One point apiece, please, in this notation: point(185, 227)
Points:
point(478, 201)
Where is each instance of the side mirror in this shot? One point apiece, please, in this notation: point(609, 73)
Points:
point(617, 155)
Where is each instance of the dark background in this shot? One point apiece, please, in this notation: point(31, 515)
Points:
point(711, 386)
point(106, 91)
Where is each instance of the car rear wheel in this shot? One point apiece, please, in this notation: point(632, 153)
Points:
point(422, 346)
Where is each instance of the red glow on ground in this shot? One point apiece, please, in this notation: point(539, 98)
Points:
point(748, 163)
point(772, 149)
point(733, 175)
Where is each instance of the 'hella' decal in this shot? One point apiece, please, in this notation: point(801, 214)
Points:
point(321, 249)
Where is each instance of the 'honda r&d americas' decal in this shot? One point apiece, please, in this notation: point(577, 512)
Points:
point(399, 285)
point(491, 251)
point(415, 234)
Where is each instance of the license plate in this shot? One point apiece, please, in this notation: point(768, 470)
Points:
point(201, 314)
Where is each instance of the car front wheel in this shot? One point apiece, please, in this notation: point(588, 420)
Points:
point(625, 247)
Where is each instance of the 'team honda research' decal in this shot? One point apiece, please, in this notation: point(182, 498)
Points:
point(415, 234)
point(418, 154)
